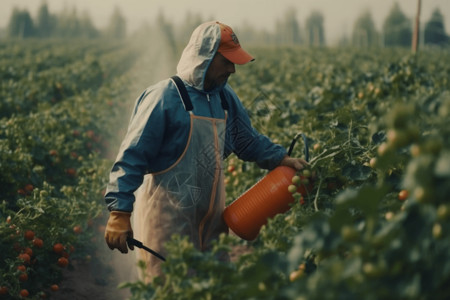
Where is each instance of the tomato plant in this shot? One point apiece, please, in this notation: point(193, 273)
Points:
point(380, 120)
point(377, 123)
point(54, 143)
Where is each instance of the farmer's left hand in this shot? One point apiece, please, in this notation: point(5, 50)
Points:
point(295, 163)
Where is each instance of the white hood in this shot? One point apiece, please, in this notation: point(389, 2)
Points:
point(199, 53)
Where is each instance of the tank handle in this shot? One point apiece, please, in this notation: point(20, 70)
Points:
point(305, 142)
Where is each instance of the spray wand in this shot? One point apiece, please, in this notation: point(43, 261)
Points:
point(132, 241)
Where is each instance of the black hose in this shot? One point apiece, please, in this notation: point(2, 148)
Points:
point(305, 142)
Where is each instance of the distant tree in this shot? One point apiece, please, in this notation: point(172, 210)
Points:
point(117, 27)
point(288, 30)
point(14, 25)
point(68, 24)
point(249, 35)
point(397, 29)
point(435, 29)
point(344, 40)
point(166, 29)
point(315, 30)
point(45, 22)
point(87, 28)
point(20, 24)
point(364, 32)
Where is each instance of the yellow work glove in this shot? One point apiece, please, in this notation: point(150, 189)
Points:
point(117, 230)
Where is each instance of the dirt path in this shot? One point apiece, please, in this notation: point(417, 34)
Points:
point(98, 278)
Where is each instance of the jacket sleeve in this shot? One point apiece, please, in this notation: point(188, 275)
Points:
point(245, 141)
point(139, 146)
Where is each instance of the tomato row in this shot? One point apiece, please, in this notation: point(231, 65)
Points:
point(376, 223)
point(60, 106)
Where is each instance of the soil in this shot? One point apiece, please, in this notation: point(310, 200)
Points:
point(99, 277)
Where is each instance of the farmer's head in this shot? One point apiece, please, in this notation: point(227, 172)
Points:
point(209, 57)
point(228, 54)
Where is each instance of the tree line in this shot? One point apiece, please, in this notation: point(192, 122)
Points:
point(67, 24)
point(397, 29)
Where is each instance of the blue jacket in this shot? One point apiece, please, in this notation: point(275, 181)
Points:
point(159, 126)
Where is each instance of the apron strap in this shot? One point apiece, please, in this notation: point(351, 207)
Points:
point(187, 100)
point(183, 93)
point(222, 99)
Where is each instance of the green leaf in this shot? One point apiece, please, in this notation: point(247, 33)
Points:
point(356, 172)
point(379, 137)
point(365, 199)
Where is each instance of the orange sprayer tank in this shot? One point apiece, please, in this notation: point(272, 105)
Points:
point(267, 198)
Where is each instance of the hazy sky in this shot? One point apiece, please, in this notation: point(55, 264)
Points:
point(339, 14)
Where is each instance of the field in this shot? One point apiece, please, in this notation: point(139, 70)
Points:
point(375, 225)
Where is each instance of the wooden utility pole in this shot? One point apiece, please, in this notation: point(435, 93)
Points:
point(415, 37)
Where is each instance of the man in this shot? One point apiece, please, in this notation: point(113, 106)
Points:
point(174, 148)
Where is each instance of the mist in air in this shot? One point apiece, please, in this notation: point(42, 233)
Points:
point(324, 23)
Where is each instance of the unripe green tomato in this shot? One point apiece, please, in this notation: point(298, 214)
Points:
point(297, 195)
point(437, 231)
point(306, 173)
point(420, 194)
point(371, 270)
point(262, 286)
point(296, 179)
point(292, 188)
point(383, 149)
point(349, 233)
point(443, 212)
point(373, 162)
point(389, 215)
point(415, 150)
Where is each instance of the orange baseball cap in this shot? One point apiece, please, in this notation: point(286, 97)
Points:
point(230, 47)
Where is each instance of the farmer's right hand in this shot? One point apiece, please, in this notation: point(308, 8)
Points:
point(295, 163)
point(117, 230)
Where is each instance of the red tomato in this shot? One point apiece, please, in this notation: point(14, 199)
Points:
point(3, 290)
point(54, 287)
point(403, 195)
point(38, 243)
point(63, 262)
point(22, 268)
point(58, 248)
point(25, 257)
point(29, 235)
point(24, 293)
point(23, 277)
point(77, 229)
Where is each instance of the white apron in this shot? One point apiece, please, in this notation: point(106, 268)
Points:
point(188, 198)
